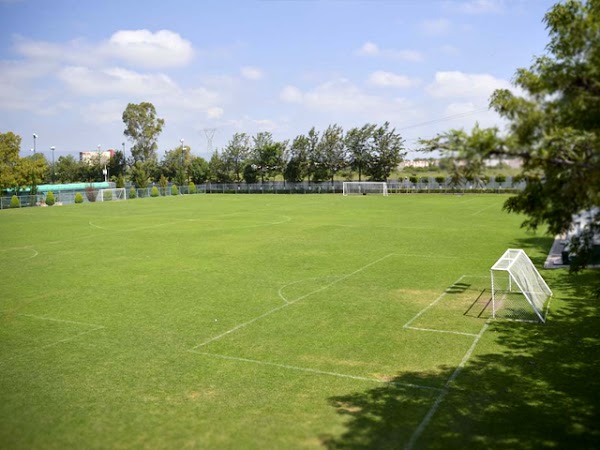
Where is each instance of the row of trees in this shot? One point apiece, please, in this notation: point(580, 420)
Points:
point(372, 151)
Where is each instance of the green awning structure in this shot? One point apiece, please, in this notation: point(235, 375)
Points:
point(44, 188)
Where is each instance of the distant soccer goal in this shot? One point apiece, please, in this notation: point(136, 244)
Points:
point(111, 194)
point(365, 187)
point(518, 290)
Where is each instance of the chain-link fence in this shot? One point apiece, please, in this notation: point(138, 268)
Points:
point(424, 185)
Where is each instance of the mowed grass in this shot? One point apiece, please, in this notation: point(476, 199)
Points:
point(278, 321)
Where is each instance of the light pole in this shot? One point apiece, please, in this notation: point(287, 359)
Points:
point(104, 171)
point(34, 138)
point(52, 148)
point(182, 159)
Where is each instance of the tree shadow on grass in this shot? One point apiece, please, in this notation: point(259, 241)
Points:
point(539, 387)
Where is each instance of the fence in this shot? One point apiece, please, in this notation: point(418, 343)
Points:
point(425, 185)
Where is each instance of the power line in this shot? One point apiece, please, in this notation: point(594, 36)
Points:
point(443, 119)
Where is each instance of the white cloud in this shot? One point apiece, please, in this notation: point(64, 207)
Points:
point(368, 49)
point(436, 27)
point(389, 79)
point(150, 50)
point(291, 94)
point(214, 112)
point(449, 50)
point(371, 49)
point(104, 112)
point(114, 81)
point(136, 48)
point(476, 6)
point(251, 126)
point(464, 85)
point(251, 73)
point(340, 99)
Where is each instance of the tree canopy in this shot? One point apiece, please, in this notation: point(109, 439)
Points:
point(554, 126)
point(142, 127)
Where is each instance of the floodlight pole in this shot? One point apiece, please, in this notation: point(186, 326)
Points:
point(34, 138)
point(182, 158)
point(52, 148)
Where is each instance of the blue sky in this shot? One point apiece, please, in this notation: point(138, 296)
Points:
point(68, 69)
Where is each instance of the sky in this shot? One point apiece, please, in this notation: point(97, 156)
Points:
point(68, 68)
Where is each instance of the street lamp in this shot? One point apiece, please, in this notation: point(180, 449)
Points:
point(34, 138)
point(52, 148)
point(182, 159)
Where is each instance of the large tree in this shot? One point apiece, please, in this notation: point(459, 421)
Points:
point(68, 169)
point(554, 128)
point(267, 155)
point(176, 163)
point(296, 158)
point(142, 127)
point(236, 154)
point(333, 150)
point(387, 153)
point(467, 152)
point(359, 144)
point(10, 145)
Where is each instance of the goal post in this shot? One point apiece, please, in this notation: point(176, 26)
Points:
point(111, 194)
point(518, 290)
point(365, 187)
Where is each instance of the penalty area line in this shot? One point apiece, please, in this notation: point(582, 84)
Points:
point(289, 303)
point(420, 313)
point(315, 371)
point(444, 392)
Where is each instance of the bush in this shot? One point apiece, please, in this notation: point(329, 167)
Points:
point(440, 180)
point(120, 181)
point(154, 192)
point(15, 202)
point(91, 193)
point(500, 179)
point(132, 192)
point(174, 190)
point(191, 188)
point(50, 199)
point(78, 198)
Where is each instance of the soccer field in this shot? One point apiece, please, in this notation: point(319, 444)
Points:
point(282, 321)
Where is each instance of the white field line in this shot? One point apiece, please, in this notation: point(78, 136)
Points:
point(52, 344)
point(442, 395)
point(483, 209)
point(316, 371)
point(35, 252)
point(420, 313)
point(440, 331)
point(62, 320)
point(274, 310)
point(266, 224)
point(282, 288)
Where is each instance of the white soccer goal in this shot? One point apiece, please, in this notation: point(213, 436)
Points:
point(365, 187)
point(518, 290)
point(111, 194)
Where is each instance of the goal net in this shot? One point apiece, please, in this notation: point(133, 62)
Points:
point(365, 187)
point(111, 194)
point(518, 290)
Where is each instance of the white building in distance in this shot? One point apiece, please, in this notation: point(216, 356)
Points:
point(100, 158)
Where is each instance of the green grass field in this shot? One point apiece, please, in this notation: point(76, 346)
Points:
point(278, 322)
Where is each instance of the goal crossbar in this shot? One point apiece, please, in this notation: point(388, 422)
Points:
point(514, 273)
